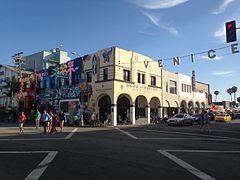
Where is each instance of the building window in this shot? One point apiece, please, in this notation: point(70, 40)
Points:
point(153, 80)
point(182, 87)
point(105, 74)
point(126, 75)
point(173, 87)
point(89, 77)
point(139, 77)
point(143, 78)
point(166, 86)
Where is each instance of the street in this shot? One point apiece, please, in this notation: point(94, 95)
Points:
point(122, 152)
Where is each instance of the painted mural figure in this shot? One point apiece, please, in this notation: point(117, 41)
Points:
point(94, 64)
point(106, 55)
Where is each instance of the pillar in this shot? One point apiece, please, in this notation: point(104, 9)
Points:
point(114, 114)
point(132, 114)
point(160, 113)
point(147, 108)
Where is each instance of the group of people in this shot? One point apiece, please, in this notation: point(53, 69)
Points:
point(50, 120)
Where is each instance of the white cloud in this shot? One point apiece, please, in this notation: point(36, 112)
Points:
point(223, 73)
point(207, 58)
point(156, 22)
point(222, 7)
point(159, 4)
point(220, 34)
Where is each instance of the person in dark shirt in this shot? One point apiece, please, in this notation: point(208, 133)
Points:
point(62, 119)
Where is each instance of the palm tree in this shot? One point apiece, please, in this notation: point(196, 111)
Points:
point(229, 91)
point(216, 93)
point(234, 90)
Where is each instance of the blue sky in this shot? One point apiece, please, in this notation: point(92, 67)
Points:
point(159, 29)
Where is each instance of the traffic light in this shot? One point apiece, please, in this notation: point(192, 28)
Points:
point(231, 31)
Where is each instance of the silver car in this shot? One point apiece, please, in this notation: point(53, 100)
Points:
point(180, 119)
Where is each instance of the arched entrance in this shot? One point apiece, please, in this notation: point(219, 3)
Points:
point(203, 106)
point(123, 110)
point(154, 105)
point(190, 107)
point(104, 105)
point(140, 110)
point(183, 107)
point(197, 108)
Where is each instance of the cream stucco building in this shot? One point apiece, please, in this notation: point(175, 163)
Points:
point(132, 87)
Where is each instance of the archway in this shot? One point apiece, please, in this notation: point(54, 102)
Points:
point(140, 109)
point(190, 107)
point(104, 105)
point(183, 107)
point(197, 108)
point(154, 105)
point(203, 105)
point(123, 110)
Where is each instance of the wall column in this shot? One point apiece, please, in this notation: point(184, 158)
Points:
point(147, 109)
point(114, 114)
point(160, 113)
point(132, 114)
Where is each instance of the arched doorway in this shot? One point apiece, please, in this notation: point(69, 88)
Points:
point(104, 105)
point(183, 107)
point(154, 105)
point(197, 108)
point(140, 110)
point(123, 110)
point(190, 107)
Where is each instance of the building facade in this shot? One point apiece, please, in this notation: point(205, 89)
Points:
point(132, 86)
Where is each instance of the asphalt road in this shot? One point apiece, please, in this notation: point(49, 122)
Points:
point(123, 152)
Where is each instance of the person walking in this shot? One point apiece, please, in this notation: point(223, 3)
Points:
point(75, 120)
point(92, 119)
point(22, 120)
point(204, 121)
point(45, 120)
point(62, 118)
point(54, 123)
point(37, 117)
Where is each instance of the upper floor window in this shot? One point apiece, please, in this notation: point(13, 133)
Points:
point(126, 75)
point(139, 78)
point(173, 87)
point(153, 80)
point(166, 86)
point(89, 77)
point(105, 74)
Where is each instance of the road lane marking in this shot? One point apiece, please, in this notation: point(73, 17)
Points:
point(42, 166)
point(198, 151)
point(127, 133)
point(183, 133)
point(187, 166)
point(41, 139)
point(71, 134)
point(204, 139)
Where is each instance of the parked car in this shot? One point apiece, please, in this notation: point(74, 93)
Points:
point(180, 119)
point(223, 117)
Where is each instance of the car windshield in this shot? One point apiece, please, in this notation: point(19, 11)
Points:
point(178, 116)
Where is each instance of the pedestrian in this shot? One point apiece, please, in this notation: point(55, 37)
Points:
point(37, 117)
point(45, 120)
point(49, 127)
point(62, 119)
point(54, 123)
point(205, 121)
point(75, 120)
point(92, 119)
point(22, 120)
